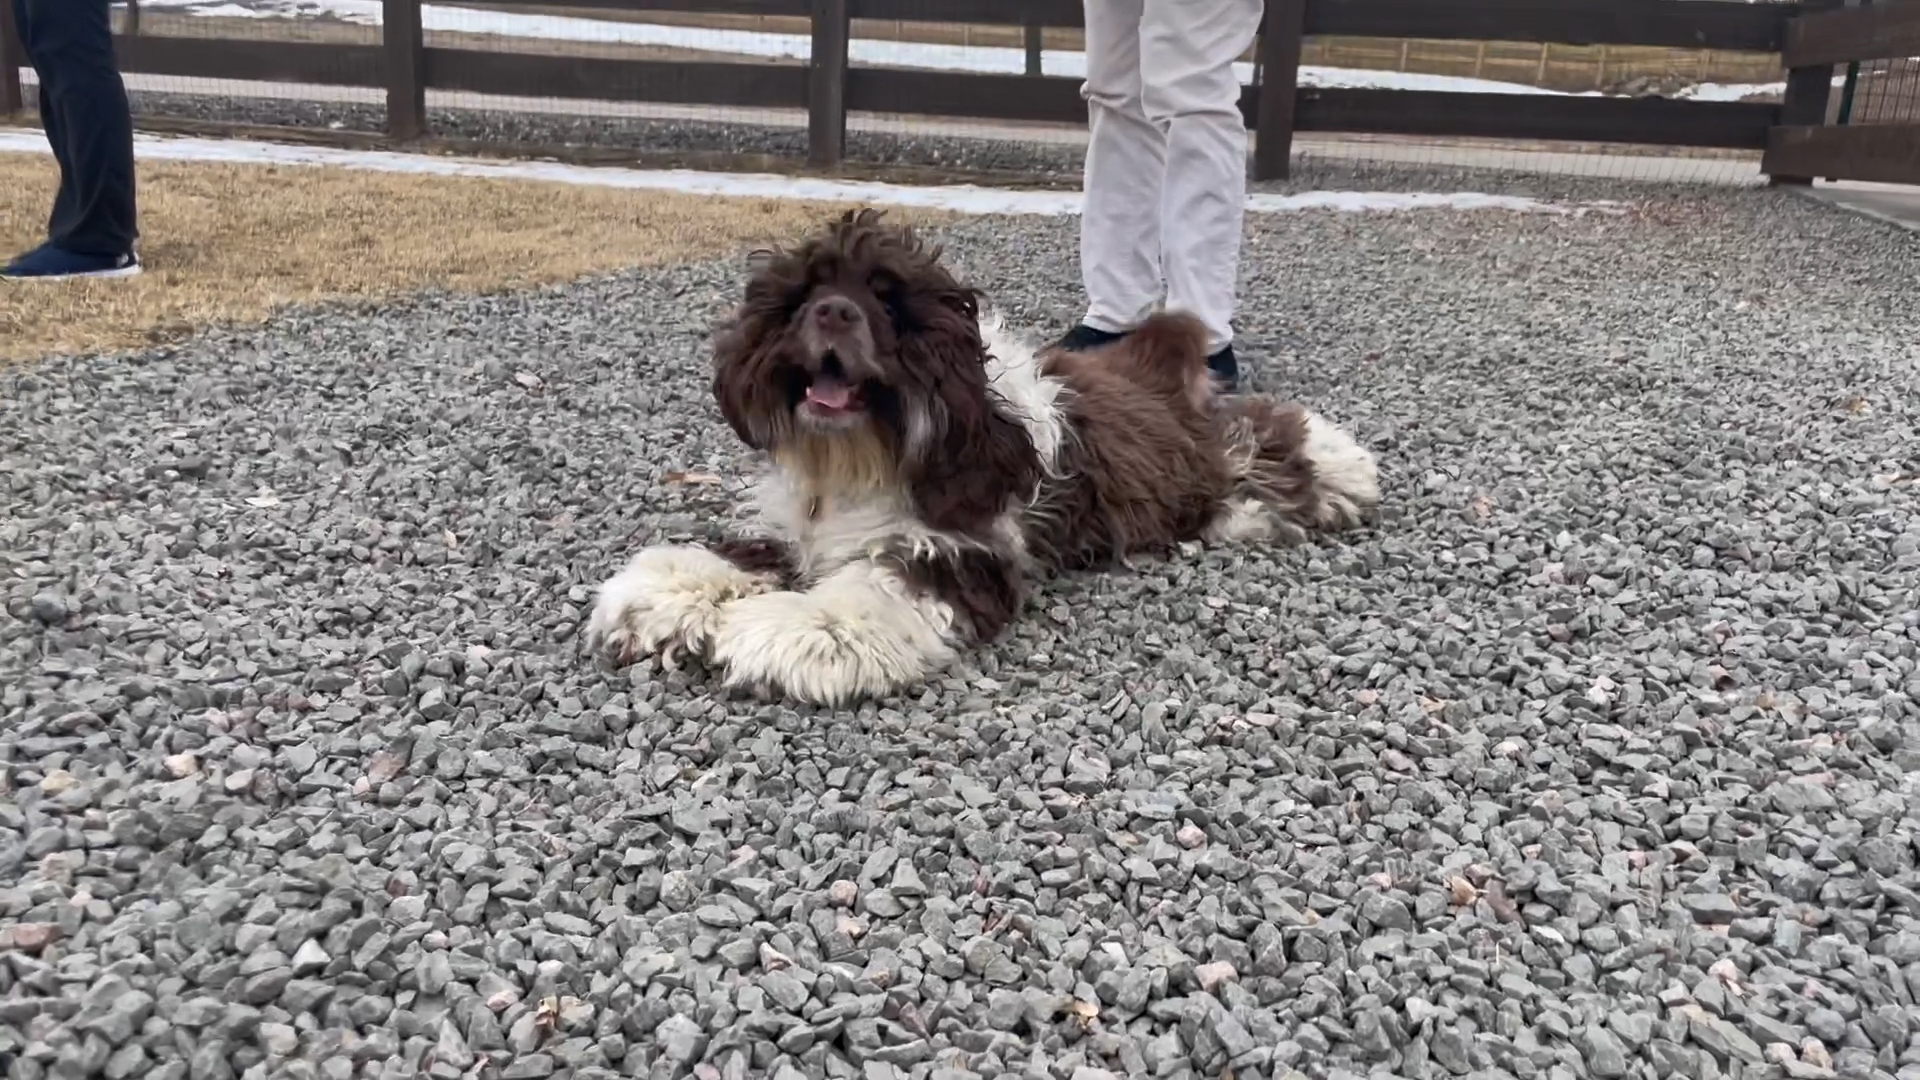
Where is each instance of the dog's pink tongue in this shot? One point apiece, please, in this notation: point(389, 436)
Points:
point(830, 393)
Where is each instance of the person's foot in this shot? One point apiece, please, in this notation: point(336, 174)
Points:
point(1083, 337)
point(1225, 370)
point(49, 263)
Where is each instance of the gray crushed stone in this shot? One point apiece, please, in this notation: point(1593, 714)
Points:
point(1590, 761)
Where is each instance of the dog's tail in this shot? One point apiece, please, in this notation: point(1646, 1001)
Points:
point(1294, 471)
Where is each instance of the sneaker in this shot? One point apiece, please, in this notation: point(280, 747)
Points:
point(1225, 369)
point(1083, 337)
point(49, 263)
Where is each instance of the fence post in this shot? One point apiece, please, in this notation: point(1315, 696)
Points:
point(827, 85)
point(1809, 89)
point(1280, 40)
point(1036, 45)
point(11, 99)
point(1847, 90)
point(405, 58)
point(1853, 79)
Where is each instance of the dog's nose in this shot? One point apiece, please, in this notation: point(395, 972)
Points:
point(836, 313)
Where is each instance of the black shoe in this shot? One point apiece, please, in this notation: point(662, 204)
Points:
point(1083, 337)
point(1225, 370)
point(49, 263)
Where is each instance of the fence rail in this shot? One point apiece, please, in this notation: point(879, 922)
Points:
point(1803, 146)
point(1863, 33)
point(1809, 35)
point(1734, 25)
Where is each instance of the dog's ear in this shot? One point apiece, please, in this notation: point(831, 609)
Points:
point(964, 459)
point(743, 384)
point(744, 377)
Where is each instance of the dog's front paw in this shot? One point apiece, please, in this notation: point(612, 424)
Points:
point(825, 648)
point(667, 602)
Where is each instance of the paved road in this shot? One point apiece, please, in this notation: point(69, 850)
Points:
point(1897, 204)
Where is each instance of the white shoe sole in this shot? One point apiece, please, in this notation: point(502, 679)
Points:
point(103, 275)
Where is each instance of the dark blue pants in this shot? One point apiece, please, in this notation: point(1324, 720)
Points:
point(83, 106)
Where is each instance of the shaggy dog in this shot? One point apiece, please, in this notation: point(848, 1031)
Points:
point(926, 466)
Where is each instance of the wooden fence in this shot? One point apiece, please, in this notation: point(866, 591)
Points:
point(1803, 145)
point(827, 87)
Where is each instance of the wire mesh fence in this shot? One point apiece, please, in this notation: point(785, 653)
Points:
point(1881, 92)
point(247, 64)
point(964, 89)
point(1545, 69)
point(648, 112)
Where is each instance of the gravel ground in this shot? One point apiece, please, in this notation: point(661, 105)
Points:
point(1589, 761)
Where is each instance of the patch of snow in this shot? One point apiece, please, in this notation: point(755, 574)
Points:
point(1364, 79)
point(1729, 91)
point(228, 11)
point(960, 198)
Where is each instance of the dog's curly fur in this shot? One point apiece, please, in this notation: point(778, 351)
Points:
point(927, 465)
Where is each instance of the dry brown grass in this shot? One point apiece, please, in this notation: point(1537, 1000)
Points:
point(229, 243)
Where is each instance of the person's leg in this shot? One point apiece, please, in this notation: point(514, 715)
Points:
point(83, 105)
point(1126, 155)
point(1188, 50)
point(49, 116)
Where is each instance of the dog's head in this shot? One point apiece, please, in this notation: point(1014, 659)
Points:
point(860, 338)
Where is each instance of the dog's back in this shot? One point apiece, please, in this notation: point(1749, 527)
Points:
point(1166, 358)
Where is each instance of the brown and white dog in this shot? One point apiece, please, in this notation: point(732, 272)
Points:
point(926, 465)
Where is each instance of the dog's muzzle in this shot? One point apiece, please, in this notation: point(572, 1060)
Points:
point(833, 328)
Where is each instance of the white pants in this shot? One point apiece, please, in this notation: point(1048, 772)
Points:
point(1166, 173)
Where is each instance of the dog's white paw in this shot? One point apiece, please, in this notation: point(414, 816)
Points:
point(846, 639)
point(667, 601)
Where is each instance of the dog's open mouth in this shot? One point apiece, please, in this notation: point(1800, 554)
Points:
point(831, 393)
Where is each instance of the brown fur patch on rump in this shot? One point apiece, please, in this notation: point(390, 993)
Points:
point(1266, 445)
point(1144, 468)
